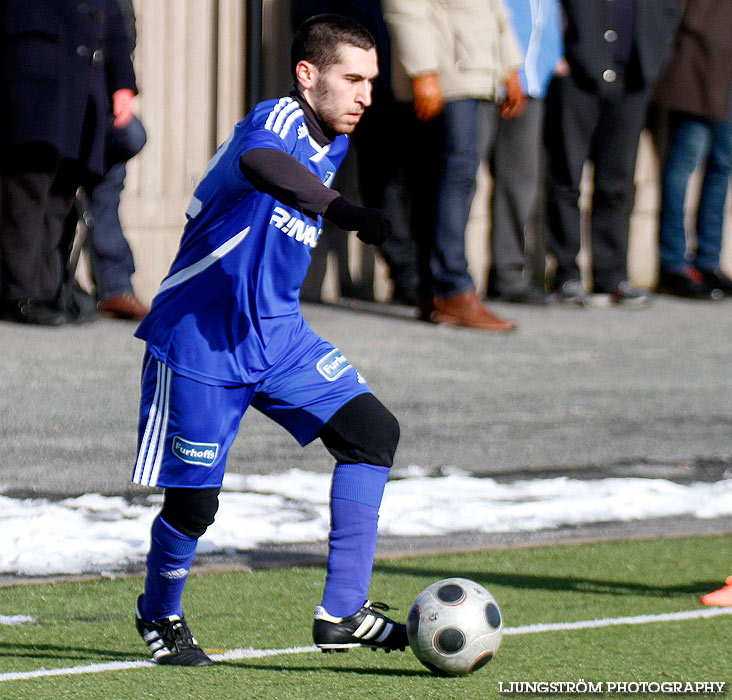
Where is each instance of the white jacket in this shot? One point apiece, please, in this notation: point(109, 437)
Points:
point(470, 44)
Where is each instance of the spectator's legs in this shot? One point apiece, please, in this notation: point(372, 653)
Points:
point(710, 217)
point(38, 193)
point(26, 186)
point(688, 142)
point(516, 163)
point(422, 165)
point(571, 118)
point(111, 258)
point(469, 127)
point(615, 148)
point(381, 142)
point(54, 254)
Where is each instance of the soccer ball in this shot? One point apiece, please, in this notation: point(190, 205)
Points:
point(454, 627)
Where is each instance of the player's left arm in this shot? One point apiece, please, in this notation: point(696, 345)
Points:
point(282, 176)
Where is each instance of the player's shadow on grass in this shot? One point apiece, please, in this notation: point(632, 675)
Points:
point(53, 651)
point(558, 583)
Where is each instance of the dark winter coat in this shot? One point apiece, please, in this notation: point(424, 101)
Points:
point(590, 38)
point(698, 78)
point(60, 62)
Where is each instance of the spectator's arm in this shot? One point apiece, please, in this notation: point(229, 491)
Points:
point(413, 44)
point(515, 101)
point(118, 68)
point(561, 67)
point(512, 59)
point(428, 99)
point(122, 107)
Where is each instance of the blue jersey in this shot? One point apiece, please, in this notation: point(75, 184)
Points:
point(229, 308)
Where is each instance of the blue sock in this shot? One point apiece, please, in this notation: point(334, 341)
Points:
point(170, 557)
point(354, 513)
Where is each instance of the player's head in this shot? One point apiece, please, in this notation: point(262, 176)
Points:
point(334, 62)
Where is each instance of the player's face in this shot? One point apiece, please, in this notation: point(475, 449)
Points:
point(340, 94)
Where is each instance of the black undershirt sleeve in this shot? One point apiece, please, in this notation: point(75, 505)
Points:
point(278, 174)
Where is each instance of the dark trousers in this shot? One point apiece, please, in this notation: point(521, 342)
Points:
point(110, 255)
point(112, 264)
point(516, 167)
point(38, 189)
point(605, 129)
point(397, 166)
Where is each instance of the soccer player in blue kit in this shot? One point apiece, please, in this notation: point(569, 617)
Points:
point(225, 332)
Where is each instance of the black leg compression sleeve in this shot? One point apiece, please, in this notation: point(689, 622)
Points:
point(190, 511)
point(362, 431)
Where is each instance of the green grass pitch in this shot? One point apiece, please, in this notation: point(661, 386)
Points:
point(89, 625)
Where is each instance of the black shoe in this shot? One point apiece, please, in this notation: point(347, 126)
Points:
point(34, 312)
point(170, 640)
point(689, 283)
point(425, 309)
point(81, 307)
point(716, 279)
point(365, 628)
point(406, 296)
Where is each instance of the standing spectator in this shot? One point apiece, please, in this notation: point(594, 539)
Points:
point(64, 66)
point(516, 161)
point(460, 59)
point(696, 87)
point(385, 153)
point(112, 264)
point(615, 52)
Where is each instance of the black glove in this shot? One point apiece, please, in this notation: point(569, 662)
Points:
point(372, 225)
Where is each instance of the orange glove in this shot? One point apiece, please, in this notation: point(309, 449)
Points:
point(428, 100)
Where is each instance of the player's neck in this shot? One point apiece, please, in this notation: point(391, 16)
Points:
point(322, 134)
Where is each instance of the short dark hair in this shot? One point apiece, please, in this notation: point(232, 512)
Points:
point(318, 38)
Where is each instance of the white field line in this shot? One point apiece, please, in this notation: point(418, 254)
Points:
point(613, 621)
point(15, 619)
point(250, 653)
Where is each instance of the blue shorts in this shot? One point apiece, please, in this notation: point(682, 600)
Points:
point(187, 427)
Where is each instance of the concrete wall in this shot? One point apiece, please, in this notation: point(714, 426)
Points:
point(190, 68)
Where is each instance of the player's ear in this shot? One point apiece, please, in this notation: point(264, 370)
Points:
point(306, 73)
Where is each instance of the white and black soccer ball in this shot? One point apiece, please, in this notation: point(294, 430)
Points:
point(454, 627)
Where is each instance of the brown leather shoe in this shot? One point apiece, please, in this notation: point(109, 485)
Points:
point(468, 311)
point(126, 306)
